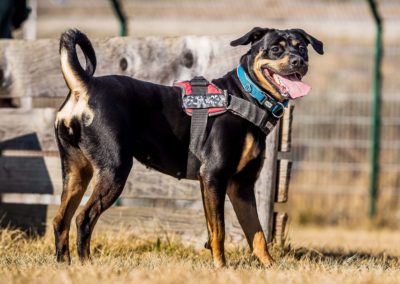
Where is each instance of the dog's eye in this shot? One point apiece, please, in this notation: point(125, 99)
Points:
point(276, 48)
point(302, 49)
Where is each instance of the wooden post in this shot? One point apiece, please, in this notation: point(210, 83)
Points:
point(283, 169)
point(29, 31)
point(266, 184)
point(280, 228)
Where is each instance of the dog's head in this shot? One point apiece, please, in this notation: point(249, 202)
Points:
point(278, 60)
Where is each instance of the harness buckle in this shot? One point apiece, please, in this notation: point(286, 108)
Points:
point(199, 81)
point(278, 110)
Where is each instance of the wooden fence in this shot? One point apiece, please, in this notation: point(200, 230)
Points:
point(151, 203)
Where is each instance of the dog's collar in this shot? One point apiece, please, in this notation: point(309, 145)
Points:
point(260, 96)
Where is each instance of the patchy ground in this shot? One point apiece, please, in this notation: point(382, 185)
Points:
point(313, 255)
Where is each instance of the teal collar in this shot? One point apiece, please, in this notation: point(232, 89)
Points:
point(260, 96)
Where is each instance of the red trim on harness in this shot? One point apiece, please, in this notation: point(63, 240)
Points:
point(211, 89)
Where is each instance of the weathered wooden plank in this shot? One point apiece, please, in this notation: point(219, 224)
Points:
point(22, 129)
point(285, 138)
point(187, 223)
point(37, 174)
point(283, 175)
point(28, 153)
point(266, 184)
point(47, 102)
point(33, 198)
point(155, 59)
point(145, 183)
point(280, 221)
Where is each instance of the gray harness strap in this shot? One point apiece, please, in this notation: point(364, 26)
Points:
point(197, 128)
point(252, 113)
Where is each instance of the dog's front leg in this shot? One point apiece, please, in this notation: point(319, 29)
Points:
point(241, 195)
point(214, 190)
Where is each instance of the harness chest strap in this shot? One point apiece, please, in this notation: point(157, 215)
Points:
point(216, 104)
point(198, 126)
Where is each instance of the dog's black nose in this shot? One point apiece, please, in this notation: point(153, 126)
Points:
point(296, 61)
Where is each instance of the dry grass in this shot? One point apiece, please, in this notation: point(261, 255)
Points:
point(315, 256)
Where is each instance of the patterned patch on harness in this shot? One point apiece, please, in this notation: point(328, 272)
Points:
point(215, 100)
point(204, 101)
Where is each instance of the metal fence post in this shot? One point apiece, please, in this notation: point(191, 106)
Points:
point(123, 30)
point(376, 109)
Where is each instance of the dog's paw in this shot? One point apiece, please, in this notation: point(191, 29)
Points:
point(219, 263)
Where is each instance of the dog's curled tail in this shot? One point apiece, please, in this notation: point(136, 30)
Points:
point(75, 76)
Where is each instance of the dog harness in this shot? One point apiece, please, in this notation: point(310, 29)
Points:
point(201, 99)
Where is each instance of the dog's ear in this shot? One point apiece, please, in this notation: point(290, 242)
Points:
point(252, 36)
point(315, 43)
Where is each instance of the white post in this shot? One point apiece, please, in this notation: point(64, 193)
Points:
point(29, 29)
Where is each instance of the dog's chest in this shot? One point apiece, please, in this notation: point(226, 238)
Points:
point(250, 150)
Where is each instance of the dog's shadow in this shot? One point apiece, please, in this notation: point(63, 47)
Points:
point(342, 257)
point(289, 257)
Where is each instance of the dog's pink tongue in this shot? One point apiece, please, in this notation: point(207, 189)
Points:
point(295, 87)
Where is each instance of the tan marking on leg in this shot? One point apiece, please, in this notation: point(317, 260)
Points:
point(260, 249)
point(250, 151)
point(244, 204)
point(78, 175)
point(217, 247)
point(216, 228)
point(84, 252)
point(207, 245)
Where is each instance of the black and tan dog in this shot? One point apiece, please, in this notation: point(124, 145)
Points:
point(106, 121)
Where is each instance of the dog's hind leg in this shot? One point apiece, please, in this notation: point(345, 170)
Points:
point(110, 179)
point(76, 174)
point(242, 196)
point(214, 191)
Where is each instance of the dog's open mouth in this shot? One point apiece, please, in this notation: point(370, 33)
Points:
point(288, 85)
